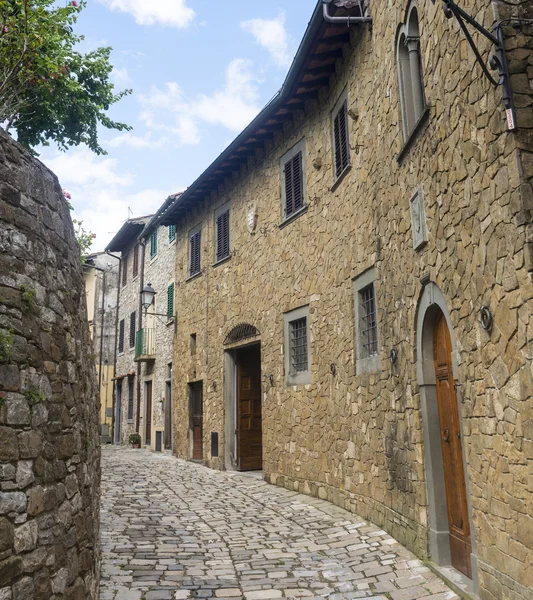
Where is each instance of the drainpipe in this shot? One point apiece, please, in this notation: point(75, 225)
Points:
point(342, 20)
point(114, 394)
point(142, 243)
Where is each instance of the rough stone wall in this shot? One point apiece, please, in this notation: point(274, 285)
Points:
point(357, 439)
point(49, 438)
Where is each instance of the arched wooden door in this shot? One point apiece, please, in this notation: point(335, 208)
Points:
point(452, 450)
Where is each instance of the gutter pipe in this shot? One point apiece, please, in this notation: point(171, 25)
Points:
point(114, 394)
point(342, 20)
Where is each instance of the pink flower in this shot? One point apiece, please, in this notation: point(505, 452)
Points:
point(67, 195)
point(5, 29)
point(94, 235)
point(74, 3)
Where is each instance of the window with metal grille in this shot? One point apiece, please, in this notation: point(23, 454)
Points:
point(121, 336)
point(298, 348)
point(171, 233)
point(130, 398)
point(170, 301)
point(153, 245)
point(195, 252)
point(294, 194)
point(125, 270)
point(222, 235)
point(132, 329)
point(341, 139)
point(136, 261)
point(369, 323)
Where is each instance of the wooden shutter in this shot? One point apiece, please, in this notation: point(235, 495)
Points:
point(121, 336)
point(171, 233)
point(223, 235)
point(132, 329)
point(195, 243)
point(153, 244)
point(130, 398)
point(136, 261)
point(170, 301)
point(294, 197)
point(340, 132)
point(125, 270)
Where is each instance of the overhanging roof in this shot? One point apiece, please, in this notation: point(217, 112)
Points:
point(310, 71)
point(129, 232)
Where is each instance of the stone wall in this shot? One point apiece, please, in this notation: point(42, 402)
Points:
point(49, 438)
point(353, 438)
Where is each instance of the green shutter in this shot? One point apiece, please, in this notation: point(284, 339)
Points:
point(171, 233)
point(153, 244)
point(170, 301)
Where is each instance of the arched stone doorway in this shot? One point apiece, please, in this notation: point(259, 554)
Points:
point(451, 537)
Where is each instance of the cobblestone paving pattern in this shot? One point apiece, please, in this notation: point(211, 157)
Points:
point(175, 530)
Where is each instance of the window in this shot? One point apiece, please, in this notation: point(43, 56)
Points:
point(171, 233)
point(341, 136)
point(193, 344)
point(153, 245)
point(412, 100)
point(136, 261)
point(125, 270)
point(293, 180)
point(297, 347)
point(366, 321)
point(195, 252)
point(170, 301)
point(130, 398)
point(121, 336)
point(222, 233)
point(132, 329)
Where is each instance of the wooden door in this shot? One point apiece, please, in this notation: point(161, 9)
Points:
point(452, 450)
point(118, 413)
point(148, 424)
point(197, 406)
point(249, 426)
point(168, 415)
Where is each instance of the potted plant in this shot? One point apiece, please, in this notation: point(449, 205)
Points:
point(135, 440)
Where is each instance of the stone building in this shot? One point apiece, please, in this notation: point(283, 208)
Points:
point(143, 398)
point(100, 272)
point(354, 295)
point(49, 437)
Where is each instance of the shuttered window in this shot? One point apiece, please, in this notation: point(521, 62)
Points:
point(136, 261)
point(125, 270)
point(132, 329)
point(130, 398)
point(341, 139)
point(369, 324)
point(298, 349)
point(170, 301)
point(195, 253)
point(171, 233)
point(222, 235)
point(121, 336)
point(294, 197)
point(153, 245)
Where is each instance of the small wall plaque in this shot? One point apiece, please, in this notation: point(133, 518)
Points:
point(418, 220)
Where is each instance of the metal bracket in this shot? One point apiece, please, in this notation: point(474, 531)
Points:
point(497, 62)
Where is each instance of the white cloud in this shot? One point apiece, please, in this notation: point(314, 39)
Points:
point(233, 107)
point(172, 13)
point(136, 141)
point(120, 77)
point(272, 35)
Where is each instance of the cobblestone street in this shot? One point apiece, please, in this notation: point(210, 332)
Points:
point(172, 530)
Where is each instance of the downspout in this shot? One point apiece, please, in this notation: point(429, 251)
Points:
point(102, 335)
point(114, 395)
point(342, 20)
point(142, 243)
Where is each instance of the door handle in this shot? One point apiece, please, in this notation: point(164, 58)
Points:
point(446, 435)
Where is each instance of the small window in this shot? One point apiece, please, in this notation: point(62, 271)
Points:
point(153, 245)
point(121, 336)
point(130, 398)
point(341, 137)
point(135, 261)
point(293, 180)
point(195, 252)
point(171, 233)
point(170, 301)
point(193, 344)
point(366, 321)
point(297, 347)
point(125, 270)
point(222, 233)
point(132, 329)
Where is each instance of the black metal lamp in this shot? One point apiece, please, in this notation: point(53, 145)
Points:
point(147, 296)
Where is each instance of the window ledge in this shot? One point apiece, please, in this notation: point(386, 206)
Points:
point(294, 216)
point(302, 378)
point(410, 142)
point(341, 177)
point(195, 276)
point(170, 322)
point(153, 259)
point(222, 260)
point(172, 242)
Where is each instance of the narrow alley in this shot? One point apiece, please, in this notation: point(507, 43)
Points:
point(173, 529)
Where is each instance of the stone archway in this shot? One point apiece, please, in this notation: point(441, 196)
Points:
point(431, 307)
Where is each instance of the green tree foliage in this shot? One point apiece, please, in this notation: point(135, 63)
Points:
point(49, 91)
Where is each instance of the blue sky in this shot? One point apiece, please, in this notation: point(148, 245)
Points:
point(200, 70)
